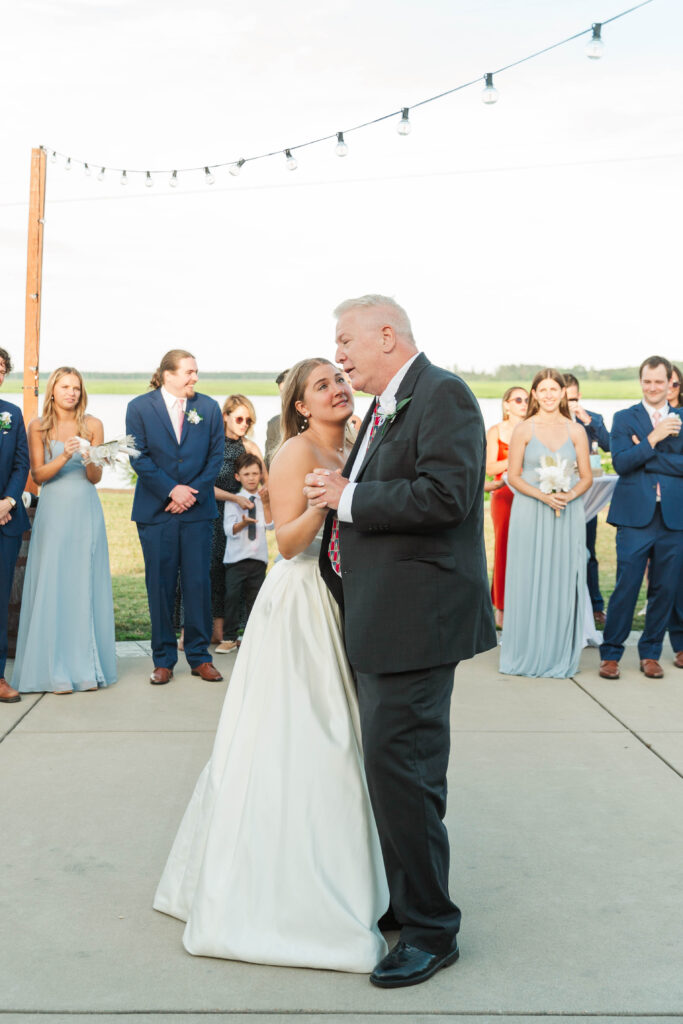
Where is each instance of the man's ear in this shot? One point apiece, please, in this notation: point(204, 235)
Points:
point(388, 338)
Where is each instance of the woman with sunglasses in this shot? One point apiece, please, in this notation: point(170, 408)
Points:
point(515, 401)
point(674, 395)
point(239, 418)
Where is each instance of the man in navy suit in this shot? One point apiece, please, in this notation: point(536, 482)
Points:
point(180, 437)
point(14, 466)
point(647, 509)
point(597, 432)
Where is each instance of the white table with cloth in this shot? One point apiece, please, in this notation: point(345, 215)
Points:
point(595, 498)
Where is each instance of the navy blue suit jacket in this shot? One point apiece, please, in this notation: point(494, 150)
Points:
point(596, 430)
point(163, 462)
point(641, 467)
point(14, 467)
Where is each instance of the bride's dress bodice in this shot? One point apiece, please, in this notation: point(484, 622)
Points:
point(313, 549)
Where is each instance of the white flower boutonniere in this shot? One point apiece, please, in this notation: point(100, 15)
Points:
point(5, 421)
point(390, 409)
point(192, 416)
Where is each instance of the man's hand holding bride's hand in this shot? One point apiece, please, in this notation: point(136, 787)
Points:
point(323, 488)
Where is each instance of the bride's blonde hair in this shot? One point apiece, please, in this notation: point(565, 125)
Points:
point(48, 420)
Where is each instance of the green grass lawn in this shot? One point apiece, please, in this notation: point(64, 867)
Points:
point(128, 571)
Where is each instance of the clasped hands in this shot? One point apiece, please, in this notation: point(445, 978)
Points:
point(323, 488)
point(182, 498)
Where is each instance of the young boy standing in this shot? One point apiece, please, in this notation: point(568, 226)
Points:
point(246, 549)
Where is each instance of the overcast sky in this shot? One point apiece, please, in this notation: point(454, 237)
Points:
point(543, 229)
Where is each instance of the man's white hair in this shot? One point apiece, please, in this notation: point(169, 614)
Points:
point(394, 314)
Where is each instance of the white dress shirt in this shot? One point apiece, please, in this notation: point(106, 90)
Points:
point(388, 395)
point(237, 545)
point(173, 404)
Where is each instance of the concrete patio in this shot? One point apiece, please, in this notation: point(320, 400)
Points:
point(566, 823)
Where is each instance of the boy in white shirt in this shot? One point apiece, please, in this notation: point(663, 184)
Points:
point(246, 548)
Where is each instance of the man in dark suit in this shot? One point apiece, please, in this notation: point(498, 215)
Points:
point(647, 509)
point(180, 437)
point(14, 467)
point(598, 434)
point(408, 527)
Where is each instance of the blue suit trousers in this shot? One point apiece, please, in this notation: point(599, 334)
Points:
point(178, 545)
point(9, 551)
point(635, 545)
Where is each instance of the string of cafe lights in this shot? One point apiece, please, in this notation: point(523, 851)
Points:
point(593, 50)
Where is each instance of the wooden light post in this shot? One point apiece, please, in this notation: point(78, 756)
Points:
point(34, 284)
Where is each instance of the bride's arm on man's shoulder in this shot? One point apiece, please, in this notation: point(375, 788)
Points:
point(295, 523)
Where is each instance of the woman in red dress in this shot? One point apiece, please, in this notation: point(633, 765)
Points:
point(515, 402)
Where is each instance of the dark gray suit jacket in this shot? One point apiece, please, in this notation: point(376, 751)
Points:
point(414, 586)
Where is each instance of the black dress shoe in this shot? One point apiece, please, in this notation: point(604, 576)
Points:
point(408, 965)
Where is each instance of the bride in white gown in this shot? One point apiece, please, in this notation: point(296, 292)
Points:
point(277, 859)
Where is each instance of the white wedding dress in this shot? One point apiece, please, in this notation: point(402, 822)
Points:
point(277, 859)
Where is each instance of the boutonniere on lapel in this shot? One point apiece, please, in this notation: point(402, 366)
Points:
point(193, 417)
point(390, 410)
point(5, 421)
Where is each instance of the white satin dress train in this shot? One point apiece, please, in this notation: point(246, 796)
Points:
point(277, 859)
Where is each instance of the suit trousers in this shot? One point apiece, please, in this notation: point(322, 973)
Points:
point(405, 722)
point(243, 580)
point(172, 547)
point(635, 545)
point(9, 551)
point(592, 578)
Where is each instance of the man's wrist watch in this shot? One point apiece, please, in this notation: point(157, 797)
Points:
point(11, 501)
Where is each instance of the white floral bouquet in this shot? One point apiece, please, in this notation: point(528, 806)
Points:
point(108, 454)
point(554, 476)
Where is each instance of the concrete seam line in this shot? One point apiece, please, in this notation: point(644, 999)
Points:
point(359, 1015)
point(4, 737)
point(640, 739)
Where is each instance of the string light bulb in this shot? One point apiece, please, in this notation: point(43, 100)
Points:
point(404, 126)
point(236, 167)
point(53, 158)
point(291, 161)
point(124, 177)
point(86, 170)
point(173, 180)
point(148, 180)
point(595, 46)
point(341, 149)
point(208, 176)
point(67, 165)
point(489, 93)
point(100, 176)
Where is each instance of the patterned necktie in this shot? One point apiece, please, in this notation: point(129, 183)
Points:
point(333, 547)
point(656, 417)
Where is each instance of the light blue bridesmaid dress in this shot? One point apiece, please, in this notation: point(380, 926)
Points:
point(545, 578)
point(66, 628)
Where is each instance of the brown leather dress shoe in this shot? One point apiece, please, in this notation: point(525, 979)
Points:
point(207, 672)
point(678, 660)
point(609, 669)
point(651, 668)
point(7, 694)
point(161, 675)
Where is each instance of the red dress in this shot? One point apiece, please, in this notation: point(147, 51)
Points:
point(501, 506)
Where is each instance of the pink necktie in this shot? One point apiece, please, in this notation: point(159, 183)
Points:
point(181, 419)
point(656, 417)
point(333, 548)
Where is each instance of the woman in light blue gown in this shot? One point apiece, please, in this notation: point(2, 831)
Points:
point(545, 582)
point(66, 628)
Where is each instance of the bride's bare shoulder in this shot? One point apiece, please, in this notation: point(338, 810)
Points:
point(295, 456)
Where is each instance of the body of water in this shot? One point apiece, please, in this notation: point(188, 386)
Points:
point(111, 409)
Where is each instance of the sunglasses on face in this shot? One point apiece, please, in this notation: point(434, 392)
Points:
point(674, 383)
point(522, 401)
point(243, 419)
